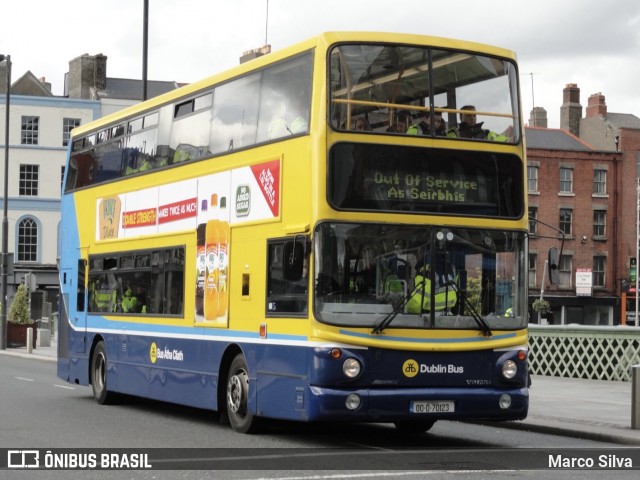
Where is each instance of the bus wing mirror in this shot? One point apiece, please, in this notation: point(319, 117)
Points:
point(554, 274)
point(293, 260)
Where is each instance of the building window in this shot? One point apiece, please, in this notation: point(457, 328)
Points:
point(29, 180)
point(27, 241)
point(566, 180)
point(532, 179)
point(61, 176)
point(599, 266)
point(600, 182)
point(29, 131)
point(68, 124)
point(566, 215)
point(565, 268)
point(599, 223)
point(533, 259)
point(533, 215)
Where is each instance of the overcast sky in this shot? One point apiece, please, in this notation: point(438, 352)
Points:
point(592, 43)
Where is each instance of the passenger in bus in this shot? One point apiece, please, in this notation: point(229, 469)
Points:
point(141, 296)
point(104, 298)
point(401, 123)
point(423, 127)
point(469, 128)
point(290, 117)
point(281, 127)
point(362, 124)
point(129, 302)
point(146, 164)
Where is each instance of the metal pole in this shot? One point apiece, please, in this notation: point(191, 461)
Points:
point(544, 276)
point(5, 218)
point(637, 240)
point(145, 48)
point(635, 397)
point(266, 26)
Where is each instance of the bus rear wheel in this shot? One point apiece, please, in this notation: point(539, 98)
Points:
point(99, 376)
point(240, 418)
point(421, 426)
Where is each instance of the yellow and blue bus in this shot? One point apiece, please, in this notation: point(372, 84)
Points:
point(335, 231)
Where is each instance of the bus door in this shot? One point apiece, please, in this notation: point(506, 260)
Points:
point(76, 304)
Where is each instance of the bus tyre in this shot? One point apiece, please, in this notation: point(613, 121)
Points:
point(412, 427)
point(99, 376)
point(240, 418)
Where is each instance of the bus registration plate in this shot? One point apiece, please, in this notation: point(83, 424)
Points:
point(432, 406)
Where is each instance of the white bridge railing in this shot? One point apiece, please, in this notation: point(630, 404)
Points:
point(598, 353)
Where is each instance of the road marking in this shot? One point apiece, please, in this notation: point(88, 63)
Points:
point(25, 379)
point(63, 386)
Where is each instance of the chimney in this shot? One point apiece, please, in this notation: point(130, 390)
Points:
point(571, 110)
point(86, 72)
point(597, 105)
point(538, 117)
point(3, 78)
point(255, 53)
point(45, 84)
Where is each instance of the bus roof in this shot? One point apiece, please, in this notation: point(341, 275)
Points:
point(323, 40)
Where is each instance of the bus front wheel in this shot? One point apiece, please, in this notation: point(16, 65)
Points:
point(99, 376)
point(240, 418)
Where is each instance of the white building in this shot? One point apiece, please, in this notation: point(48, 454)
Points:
point(39, 128)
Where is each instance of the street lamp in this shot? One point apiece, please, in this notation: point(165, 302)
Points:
point(5, 219)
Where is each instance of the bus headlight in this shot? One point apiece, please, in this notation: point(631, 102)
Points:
point(351, 367)
point(509, 369)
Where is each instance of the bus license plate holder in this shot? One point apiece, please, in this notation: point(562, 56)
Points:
point(421, 407)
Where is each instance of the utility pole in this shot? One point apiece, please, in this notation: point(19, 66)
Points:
point(5, 218)
point(145, 48)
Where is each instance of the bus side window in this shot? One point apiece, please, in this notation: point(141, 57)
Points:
point(235, 114)
point(284, 296)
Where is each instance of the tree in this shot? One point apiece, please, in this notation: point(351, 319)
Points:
point(541, 306)
point(19, 312)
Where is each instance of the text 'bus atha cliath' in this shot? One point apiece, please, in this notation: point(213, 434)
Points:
point(336, 231)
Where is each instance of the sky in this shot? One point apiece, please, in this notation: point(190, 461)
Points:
point(591, 43)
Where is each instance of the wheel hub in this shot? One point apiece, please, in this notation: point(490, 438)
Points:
point(236, 392)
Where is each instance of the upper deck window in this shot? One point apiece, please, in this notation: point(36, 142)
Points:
point(266, 105)
point(407, 90)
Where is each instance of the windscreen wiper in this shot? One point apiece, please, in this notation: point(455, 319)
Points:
point(387, 319)
point(482, 323)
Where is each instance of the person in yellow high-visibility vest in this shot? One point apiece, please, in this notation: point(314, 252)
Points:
point(104, 297)
point(129, 302)
point(445, 295)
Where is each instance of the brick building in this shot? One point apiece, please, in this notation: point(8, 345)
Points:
point(582, 181)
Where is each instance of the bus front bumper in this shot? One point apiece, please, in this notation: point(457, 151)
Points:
point(401, 404)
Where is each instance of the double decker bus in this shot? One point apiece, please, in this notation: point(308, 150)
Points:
point(326, 232)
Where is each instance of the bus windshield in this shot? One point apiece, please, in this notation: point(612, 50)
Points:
point(419, 276)
point(407, 90)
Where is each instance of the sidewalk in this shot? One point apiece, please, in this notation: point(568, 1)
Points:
point(594, 409)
